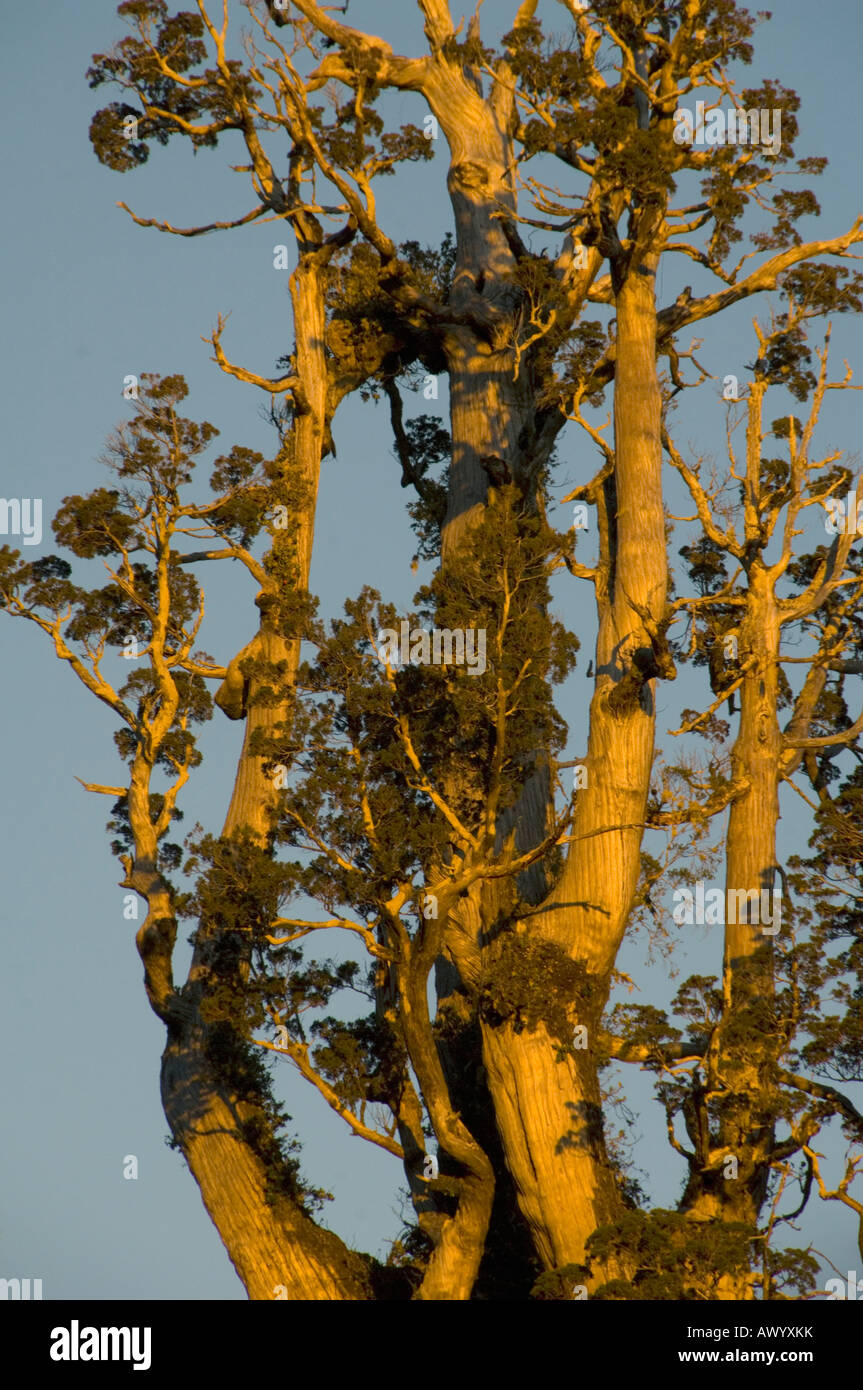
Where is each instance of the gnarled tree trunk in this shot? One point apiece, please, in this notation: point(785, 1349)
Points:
point(212, 1104)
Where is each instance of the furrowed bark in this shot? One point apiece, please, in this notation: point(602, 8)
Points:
point(277, 1250)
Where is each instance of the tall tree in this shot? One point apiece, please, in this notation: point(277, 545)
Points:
point(423, 804)
point(747, 1028)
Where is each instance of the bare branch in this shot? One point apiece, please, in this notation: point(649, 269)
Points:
point(195, 231)
point(729, 690)
point(281, 385)
point(105, 791)
point(842, 1105)
point(764, 278)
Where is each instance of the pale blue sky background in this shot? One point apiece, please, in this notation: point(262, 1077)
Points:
point(88, 297)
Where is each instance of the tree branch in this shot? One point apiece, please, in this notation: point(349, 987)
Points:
point(195, 231)
point(842, 1104)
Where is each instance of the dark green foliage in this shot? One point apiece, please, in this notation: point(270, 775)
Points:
point(362, 318)
point(132, 64)
point(643, 1025)
point(94, 525)
point(430, 447)
point(170, 855)
point(785, 363)
point(345, 737)
point(674, 1257)
point(831, 881)
point(534, 982)
point(363, 1061)
point(560, 1285)
point(355, 141)
point(43, 583)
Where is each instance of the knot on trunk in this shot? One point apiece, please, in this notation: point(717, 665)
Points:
point(233, 694)
point(646, 663)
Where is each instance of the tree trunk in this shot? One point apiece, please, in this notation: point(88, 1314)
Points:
point(255, 795)
point(212, 1102)
point(553, 1134)
point(746, 1052)
point(548, 1108)
point(493, 413)
point(276, 1249)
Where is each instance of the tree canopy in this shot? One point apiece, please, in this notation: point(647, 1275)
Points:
point(404, 785)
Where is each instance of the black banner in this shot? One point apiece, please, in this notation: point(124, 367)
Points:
point(81, 1339)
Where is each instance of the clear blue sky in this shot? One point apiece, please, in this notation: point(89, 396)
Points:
point(89, 297)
